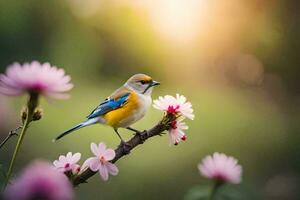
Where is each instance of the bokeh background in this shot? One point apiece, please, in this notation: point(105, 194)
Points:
point(237, 61)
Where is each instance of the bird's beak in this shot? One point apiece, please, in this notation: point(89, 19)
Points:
point(152, 84)
point(155, 83)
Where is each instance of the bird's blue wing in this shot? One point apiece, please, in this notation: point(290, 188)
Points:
point(109, 105)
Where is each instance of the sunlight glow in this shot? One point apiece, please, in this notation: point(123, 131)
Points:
point(178, 20)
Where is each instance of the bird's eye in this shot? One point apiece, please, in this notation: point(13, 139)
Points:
point(143, 82)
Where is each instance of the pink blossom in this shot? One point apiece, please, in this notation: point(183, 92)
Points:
point(40, 181)
point(101, 161)
point(68, 163)
point(176, 133)
point(221, 167)
point(35, 77)
point(174, 105)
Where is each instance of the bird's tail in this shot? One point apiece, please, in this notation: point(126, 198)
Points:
point(79, 126)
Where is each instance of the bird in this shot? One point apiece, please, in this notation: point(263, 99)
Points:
point(124, 107)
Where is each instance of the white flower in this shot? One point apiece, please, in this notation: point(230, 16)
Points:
point(68, 163)
point(176, 133)
point(174, 105)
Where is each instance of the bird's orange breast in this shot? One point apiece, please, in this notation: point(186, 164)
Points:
point(115, 118)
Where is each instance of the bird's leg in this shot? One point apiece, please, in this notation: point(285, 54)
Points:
point(122, 141)
point(134, 130)
point(126, 146)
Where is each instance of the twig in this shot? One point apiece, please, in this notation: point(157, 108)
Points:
point(10, 134)
point(124, 149)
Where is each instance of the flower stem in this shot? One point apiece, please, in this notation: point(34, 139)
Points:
point(31, 105)
point(216, 185)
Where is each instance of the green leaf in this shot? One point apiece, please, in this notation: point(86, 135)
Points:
point(230, 192)
point(224, 192)
point(199, 192)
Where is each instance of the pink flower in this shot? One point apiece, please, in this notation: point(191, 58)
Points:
point(68, 163)
point(174, 105)
point(176, 133)
point(35, 77)
point(40, 181)
point(101, 161)
point(221, 167)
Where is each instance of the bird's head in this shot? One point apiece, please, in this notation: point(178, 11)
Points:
point(141, 83)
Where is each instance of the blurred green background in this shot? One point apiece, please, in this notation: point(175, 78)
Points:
point(237, 61)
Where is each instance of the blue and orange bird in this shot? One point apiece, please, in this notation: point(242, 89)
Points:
point(124, 107)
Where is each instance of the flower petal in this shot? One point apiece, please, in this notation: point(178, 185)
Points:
point(94, 149)
point(57, 164)
point(69, 155)
point(102, 148)
point(112, 168)
point(42, 78)
point(75, 158)
point(62, 158)
point(109, 154)
point(103, 172)
point(93, 163)
point(221, 167)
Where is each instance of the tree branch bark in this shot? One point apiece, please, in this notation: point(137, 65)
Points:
point(124, 149)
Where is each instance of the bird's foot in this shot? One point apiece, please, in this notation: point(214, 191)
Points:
point(126, 147)
point(143, 136)
point(136, 132)
point(140, 133)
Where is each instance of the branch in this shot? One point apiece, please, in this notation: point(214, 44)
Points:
point(124, 149)
point(10, 134)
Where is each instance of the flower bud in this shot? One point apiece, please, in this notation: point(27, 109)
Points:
point(38, 114)
point(23, 114)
